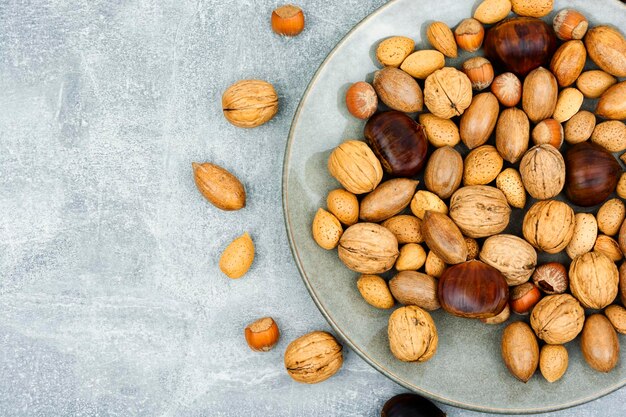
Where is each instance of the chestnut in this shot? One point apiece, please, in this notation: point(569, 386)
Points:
point(520, 44)
point(474, 290)
point(591, 174)
point(410, 405)
point(398, 141)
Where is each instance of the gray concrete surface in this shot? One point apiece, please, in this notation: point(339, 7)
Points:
point(111, 302)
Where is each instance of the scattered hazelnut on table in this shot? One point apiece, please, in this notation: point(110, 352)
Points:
point(262, 335)
point(288, 20)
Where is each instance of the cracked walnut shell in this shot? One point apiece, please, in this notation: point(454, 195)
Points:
point(313, 358)
point(447, 92)
point(249, 103)
point(557, 319)
point(412, 334)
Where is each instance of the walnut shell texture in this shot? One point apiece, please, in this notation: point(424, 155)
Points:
point(355, 166)
point(313, 358)
point(447, 92)
point(412, 334)
point(515, 258)
point(543, 171)
point(368, 248)
point(549, 225)
point(557, 319)
point(594, 280)
point(249, 103)
point(480, 210)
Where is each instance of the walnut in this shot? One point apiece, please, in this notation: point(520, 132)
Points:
point(355, 166)
point(543, 171)
point(549, 225)
point(594, 280)
point(557, 319)
point(368, 248)
point(480, 210)
point(313, 357)
point(447, 92)
point(412, 334)
point(512, 256)
point(249, 103)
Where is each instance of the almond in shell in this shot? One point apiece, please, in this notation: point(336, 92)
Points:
point(611, 135)
point(568, 103)
point(406, 228)
point(492, 11)
point(617, 316)
point(375, 291)
point(553, 362)
point(607, 48)
point(421, 64)
point(441, 37)
point(579, 127)
point(392, 51)
point(326, 229)
point(424, 201)
point(594, 83)
point(482, 166)
point(612, 104)
point(532, 8)
point(412, 257)
point(510, 183)
point(584, 237)
point(344, 205)
point(440, 132)
point(611, 216)
point(237, 257)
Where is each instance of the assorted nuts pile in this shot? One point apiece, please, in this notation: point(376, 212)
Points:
point(503, 133)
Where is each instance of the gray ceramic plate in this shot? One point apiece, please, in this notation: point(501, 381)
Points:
point(467, 370)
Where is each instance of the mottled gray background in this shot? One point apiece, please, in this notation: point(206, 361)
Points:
point(111, 302)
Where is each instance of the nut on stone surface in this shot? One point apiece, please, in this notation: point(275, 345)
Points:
point(557, 319)
point(594, 280)
point(249, 103)
point(313, 358)
point(355, 166)
point(368, 248)
point(412, 334)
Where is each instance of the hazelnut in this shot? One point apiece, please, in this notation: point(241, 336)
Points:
point(570, 24)
point(249, 103)
point(262, 335)
point(313, 358)
point(507, 88)
point(551, 278)
point(469, 35)
point(480, 72)
point(361, 100)
point(288, 20)
point(548, 132)
point(524, 297)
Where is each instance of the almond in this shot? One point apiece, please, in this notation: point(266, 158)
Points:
point(553, 362)
point(612, 104)
point(392, 51)
point(344, 205)
point(326, 229)
point(412, 257)
point(434, 266)
point(510, 183)
point(617, 316)
point(611, 135)
point(425, 200)
point(492, 11)
point(237, 257)
point(579, 127)
point(610, 216)
point(532, 8)
point(585, 234)
point(440, 132)
point(406, 228)
point(219, 186)
point(482, 165)
point(594, 83)
point(568, 103)
point(421, 64)
point(375, 291)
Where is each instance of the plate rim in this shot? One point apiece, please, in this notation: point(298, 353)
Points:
point(319, 304)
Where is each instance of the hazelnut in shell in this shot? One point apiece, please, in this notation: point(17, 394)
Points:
point(480, 72)
point(548, 132)
point(262, 335)
point(524, 297)
point(469, 35)
point(288, 20)
point(361, 100)
point(570, 24)
point(507, 88)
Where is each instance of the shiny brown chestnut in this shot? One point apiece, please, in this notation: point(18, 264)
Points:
point(474, 290)
point(591, 175)
point(410, 405)
point(520, 44)
point(398, 141)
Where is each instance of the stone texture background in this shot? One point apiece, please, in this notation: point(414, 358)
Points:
point(111, 302)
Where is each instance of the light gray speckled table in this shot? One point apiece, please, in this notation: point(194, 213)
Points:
point(111, 302)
